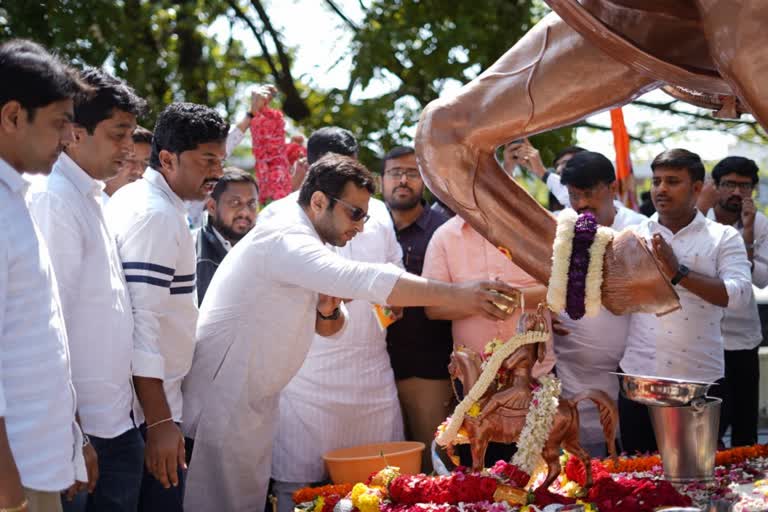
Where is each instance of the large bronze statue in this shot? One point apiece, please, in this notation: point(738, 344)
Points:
point(587, 57)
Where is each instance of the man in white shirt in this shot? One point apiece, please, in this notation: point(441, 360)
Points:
point(271, 294)
point(40, 441)
point(735, 179)
point(707, 263)
point(94, 298)
point(327, 405)
point(593, 346)
point(148, 220)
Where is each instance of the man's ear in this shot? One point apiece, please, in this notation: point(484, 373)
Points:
point(210, 205)
point(9, 116)
point(167, 160)
point(614, 186)
point(697, 186)
point(79, 134)
point(318, 202)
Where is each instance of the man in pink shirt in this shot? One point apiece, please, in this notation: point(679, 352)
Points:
point(458, 253)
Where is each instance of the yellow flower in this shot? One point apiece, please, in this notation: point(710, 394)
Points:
point(474, 411)
point(319, 503)
point(366, 499)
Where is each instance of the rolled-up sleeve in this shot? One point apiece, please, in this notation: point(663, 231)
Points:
point(148, 250)
point(3, 305)
point(302, 260)
point(734, 269)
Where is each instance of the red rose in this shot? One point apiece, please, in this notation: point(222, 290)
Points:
point(574, 470)
point(543, 497)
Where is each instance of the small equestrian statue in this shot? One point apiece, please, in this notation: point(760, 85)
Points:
point(505, 404)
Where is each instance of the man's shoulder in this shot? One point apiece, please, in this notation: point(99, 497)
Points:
point(761, 224)
point(450, 228)
point(629, 217)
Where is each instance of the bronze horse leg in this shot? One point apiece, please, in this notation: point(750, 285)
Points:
point(552, 77)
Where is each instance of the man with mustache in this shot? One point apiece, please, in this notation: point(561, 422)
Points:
point(232, 211)
point(133, 165)
point(419, 348)
point(735, 179)
point(40, 441)
point(94, 297)
point(593, 346)
point(707, 263)
point(148, 220)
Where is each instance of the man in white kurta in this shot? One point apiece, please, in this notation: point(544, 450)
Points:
point(593, 347)
point(344, 394)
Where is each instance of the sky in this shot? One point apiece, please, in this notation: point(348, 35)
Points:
point(322, 57)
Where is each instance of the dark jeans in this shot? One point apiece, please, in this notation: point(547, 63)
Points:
point(636, 427)
point(741, 390)
point(155, 497)
point(121, 460)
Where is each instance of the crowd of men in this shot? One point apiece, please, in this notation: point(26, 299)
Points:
point(147, 366)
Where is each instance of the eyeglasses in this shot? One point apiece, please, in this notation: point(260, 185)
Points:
point(398, 173)
point(355, 214)
point(733, 185)
point(236, 204)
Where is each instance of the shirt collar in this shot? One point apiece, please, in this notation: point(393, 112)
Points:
point(78, 177)
point(158, 180)
point(423, 220)
point(224, 242)
point(12, 178)
point(698, 219)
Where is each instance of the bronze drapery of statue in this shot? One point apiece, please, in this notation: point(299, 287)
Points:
point(583, 58)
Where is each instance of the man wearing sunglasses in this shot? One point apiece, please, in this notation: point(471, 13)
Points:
point(735, 179)
point(232, 210)
point(276, 289)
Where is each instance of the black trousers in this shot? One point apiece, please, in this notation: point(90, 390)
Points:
point(636, 428)
point(740, 396)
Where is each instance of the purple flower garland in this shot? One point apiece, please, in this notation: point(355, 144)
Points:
point(584, 235)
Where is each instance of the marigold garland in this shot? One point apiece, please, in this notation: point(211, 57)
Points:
point(310, 493)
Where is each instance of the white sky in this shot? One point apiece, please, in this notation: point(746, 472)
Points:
point(322, 57)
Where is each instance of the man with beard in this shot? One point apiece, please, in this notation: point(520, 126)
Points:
point(707, 264)
point(735, 179)
point(419, 348)
point(148, 220)
point(133, 164)
point(592, 347)
point(232, 211)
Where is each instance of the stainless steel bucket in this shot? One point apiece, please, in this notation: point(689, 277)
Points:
point(687, 439)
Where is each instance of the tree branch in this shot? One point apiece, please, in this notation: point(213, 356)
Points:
point(264, 50)
point(335, 8)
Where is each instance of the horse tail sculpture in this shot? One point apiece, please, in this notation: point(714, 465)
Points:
point(609, 415)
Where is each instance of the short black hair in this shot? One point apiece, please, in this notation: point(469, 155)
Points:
point(330, 139)
point(108, 94)
point(142, 136)
point(678, 158)
point(34, 77)
point(232, 175)
point(736, 165)
point(183, 127)
point(331, 174)
point(396, 152)
point(569, 150)
point(587, 169)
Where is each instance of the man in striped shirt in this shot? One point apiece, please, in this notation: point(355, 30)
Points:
point(148, 220)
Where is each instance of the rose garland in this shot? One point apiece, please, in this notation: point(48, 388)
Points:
point(448, 435)
point(269, 150)
point(538, 423)
point(577, 265)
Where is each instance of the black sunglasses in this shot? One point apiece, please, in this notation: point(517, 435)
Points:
point(355, 214)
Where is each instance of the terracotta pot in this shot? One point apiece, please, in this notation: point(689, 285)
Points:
point(356, 464)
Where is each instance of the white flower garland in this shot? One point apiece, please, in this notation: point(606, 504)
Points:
point(561, 260)
point(594, 283)
point(538, 423)
point(448, 435)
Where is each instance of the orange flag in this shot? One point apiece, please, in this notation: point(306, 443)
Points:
point(624, 174)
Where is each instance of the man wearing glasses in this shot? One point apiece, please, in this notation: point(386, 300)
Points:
point(232, 211)
point(735, 178)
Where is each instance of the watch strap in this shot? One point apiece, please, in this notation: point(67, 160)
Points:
point(333, 316)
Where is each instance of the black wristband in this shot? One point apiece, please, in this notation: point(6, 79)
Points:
point(545, 176)
point(250, 115)
point(333, 316)
point(682, 271)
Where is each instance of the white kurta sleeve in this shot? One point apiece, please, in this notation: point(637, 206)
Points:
point(63, 237)
point(734, 269)
point(149, 251)
point(3, 304)
point(235, 137)
point(302, 260)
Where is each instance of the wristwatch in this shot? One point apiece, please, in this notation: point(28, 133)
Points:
point(333, 316)
point(250, 114)
point(682, 271)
